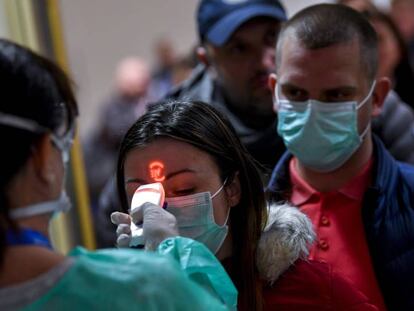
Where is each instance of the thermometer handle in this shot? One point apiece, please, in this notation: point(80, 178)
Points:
point(153, 193)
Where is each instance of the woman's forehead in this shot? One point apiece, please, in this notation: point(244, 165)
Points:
point(165, 155)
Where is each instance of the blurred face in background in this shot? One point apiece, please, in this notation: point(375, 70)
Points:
point(358, 5)
point(242, 66)
point(133, 77)
point(165, 54)
point(402, 12)
point(388, 49)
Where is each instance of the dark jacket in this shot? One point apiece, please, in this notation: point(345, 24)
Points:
point(388, 217)
point(395, 127)
point(264, 145)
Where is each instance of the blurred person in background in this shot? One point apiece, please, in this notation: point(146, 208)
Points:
point(395, 124)
point(165, 61)
point(394, 60)
point(129, 102)
point(183, 67)
point(402, 12)
point(359, 5)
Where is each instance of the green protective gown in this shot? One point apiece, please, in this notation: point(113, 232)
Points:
point(181, 275)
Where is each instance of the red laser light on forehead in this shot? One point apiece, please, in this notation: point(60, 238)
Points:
point(156, 170)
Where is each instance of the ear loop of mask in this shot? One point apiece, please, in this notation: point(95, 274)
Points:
point(364, 133)
point(228, 210)
point(221, 188)
point(365, 100)
point(276, 105)
point(63, 144)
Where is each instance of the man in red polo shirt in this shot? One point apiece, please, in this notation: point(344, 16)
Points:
point(360, 200)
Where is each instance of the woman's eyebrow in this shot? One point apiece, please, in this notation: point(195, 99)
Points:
point(186, 170)
point(170, 175)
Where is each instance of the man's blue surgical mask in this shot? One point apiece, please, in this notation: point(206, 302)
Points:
point(321, 135)
point(195, 219)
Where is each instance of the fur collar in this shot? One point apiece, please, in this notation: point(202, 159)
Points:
point(286, 238)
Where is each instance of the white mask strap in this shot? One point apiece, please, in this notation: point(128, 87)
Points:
point(62, 204)
point(63, 143)
point(368, 96)
point(218, 191)
point(364, 133)
point(227, 217)
point(277, 99)
point(215, 194)
point(21, 123)
point(32, 210)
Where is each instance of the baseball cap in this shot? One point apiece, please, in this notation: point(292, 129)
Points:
point(218, 19)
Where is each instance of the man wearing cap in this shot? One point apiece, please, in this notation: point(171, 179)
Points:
point(360, 200)
point(237, 52)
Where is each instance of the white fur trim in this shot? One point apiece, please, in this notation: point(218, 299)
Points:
point(287, 237)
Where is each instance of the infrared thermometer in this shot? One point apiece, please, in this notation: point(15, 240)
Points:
point(153, 193)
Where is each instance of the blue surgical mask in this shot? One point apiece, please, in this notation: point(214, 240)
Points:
point(321, 135)
point(195, 219)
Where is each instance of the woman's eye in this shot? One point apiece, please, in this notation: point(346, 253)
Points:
point(237, 49)
point(181, 192)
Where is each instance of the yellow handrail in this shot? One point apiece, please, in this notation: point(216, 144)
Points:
point(79, 178)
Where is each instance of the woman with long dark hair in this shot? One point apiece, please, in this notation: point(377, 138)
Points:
point(214, 194)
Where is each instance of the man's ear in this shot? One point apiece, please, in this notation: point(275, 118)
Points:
point(43, 160)
point(271, 82)
point(202, 55)
point(233, 191)
point(382, 87)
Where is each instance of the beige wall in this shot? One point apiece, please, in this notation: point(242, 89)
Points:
point(4, 30)
point(100, 32)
